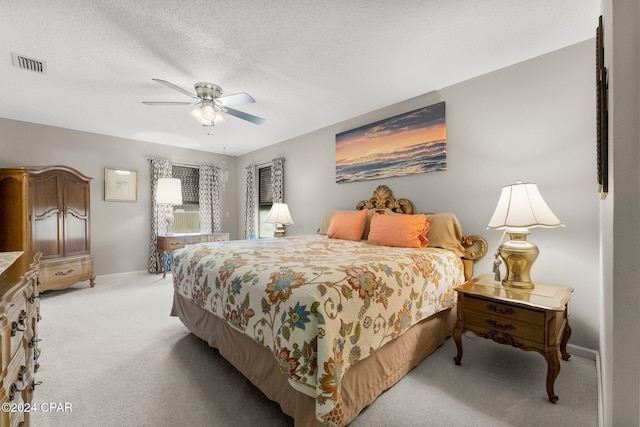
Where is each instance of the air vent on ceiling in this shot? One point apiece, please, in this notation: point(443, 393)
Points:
point(26, 63)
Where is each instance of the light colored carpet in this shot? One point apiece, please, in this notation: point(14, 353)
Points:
point(116, 356)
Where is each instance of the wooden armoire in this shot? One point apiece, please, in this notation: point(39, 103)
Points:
point(47, 209)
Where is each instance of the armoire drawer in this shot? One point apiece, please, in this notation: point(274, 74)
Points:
point(59, 274)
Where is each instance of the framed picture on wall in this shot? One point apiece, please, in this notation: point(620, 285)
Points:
point(602, 115)
point(120, 185)
point(409, 143)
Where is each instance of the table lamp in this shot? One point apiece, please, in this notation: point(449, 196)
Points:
point(280, 216)
point(519, 208)
point(169, 193)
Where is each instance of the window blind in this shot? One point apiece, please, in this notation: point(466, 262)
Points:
point(265, 189)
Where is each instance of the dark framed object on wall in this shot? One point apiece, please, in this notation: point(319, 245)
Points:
point(409, 143)
point(602, 115)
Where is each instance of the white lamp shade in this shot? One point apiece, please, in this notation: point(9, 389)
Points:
point(279, 214)
point(522, 205)
point(169, 191)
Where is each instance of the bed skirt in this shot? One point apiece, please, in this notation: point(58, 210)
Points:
point(361, 385)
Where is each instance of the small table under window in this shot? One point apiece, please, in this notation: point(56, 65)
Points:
point(168, 244)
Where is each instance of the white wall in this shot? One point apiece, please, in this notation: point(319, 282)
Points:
point(120, 231)
point(620, 340)
point(534, 121)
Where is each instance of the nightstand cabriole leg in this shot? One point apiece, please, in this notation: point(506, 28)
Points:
point(457, 337)
point(565, 339)
point(553, 369)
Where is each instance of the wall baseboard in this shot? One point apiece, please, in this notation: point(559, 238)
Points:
point(588, 353)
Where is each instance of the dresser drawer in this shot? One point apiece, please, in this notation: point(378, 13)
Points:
point(492, 308)
point(511, 327)
point(18, 375)
point(17, 323)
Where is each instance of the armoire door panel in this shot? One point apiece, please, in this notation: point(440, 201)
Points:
point(47, 238)
point(45, 195)
point(76, 242)
point(76, 196)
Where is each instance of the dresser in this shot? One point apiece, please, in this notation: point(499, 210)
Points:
point(529, 319)
point(47, 210)
point(19, 317)
point(168, 244)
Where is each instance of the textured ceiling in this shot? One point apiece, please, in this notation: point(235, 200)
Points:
point(308, 64)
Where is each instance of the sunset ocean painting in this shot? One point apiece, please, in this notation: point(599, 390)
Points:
point(410, 143)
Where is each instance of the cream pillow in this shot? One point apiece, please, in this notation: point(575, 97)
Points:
point(445, 232)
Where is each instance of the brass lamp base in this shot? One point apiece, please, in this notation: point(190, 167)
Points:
point(518, 255)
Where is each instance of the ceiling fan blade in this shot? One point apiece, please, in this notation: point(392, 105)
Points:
point(235, 99)
point(178, 88)
point(244, 116)
point(167, 103)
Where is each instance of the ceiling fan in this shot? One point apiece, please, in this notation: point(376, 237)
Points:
point(210, 102)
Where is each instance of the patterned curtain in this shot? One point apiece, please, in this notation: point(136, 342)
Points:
point(209, 198)
point(159, 169)
point(277, 179)
point(250, 203)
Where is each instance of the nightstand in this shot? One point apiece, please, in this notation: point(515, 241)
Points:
point(529, 319)
point(167, 244)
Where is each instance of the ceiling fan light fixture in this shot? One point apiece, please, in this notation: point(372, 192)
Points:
point(201, 116)
point(196, 113)
point(210, 103)
point(208, 112)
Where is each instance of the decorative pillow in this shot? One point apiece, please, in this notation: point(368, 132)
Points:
point(347, 225)
point(445, 232)
point(326, 221)
point(406, 231)
point(367, 226)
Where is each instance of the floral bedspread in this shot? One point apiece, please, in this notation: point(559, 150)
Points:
point(319, 304)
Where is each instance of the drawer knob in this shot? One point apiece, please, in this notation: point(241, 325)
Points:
point(14, 387)
point(19, 326)
point(33, 386)
point(495, 309)
point(32, 298)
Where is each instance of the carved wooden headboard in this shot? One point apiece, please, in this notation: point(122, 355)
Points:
point(475, 246)
point(383, 199)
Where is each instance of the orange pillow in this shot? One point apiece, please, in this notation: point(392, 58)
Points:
point(347, 225)
point(405, 231)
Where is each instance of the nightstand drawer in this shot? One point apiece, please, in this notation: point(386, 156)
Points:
point(176, 243)
point(197, 239)
point(511, 327)
point(481, 305)
point(218, 237)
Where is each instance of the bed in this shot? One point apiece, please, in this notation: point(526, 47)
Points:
point(323, 324)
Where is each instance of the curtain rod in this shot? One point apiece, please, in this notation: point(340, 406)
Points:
point(189, 165)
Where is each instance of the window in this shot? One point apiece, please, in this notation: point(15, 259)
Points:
point(265, 200)
point(190, 179)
